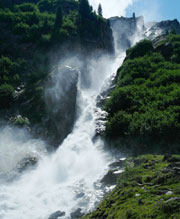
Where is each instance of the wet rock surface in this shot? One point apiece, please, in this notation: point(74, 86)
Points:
point(116, 168)
point(27, 162)
point(160, 28)
point(57, 214)
point(77, 214)
point(124, 29)
point(61, 93)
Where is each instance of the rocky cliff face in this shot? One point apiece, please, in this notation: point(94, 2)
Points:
point(60, 97)
point(161, 28)
point(125, 30)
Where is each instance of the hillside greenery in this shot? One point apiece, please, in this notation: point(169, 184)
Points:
point(33, 32)
point(146, 99)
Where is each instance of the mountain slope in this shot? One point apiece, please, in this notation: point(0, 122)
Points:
point(145, 101)
point(36, 35)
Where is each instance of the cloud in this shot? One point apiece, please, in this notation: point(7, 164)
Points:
point(149, 9)
point(113, 7)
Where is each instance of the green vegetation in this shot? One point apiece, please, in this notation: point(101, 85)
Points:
point(31, 20)
point(149, 188)
point(33, 33)
point(146, 99)
point(100, 9)
point(20, 121)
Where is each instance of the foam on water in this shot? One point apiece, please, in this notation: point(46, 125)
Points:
point(66, 179)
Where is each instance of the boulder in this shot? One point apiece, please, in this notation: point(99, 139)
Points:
point(77, 214)
point(110, 178)
point(26, 163)
point(57, 214)
point(61, 94)
point(171, 205)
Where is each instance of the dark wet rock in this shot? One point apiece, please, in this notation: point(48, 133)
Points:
point(101, 115)
point(162, 192)
point(148, 179)
point(117, 164)
point(80, 195)
point(140, 202)
point(77, 214)
point(26, 163)
point(109, 86)
point(173, 199)
point(150, 165)
point(173, 168)
point(57, 214)
point(166, 170)
point(174, 165)
point(174, 160)
point(139, 161)
point(110, 178)
point(161, 179)
point(138, 179)
point(171, 205)
point(101, 119)
point(167, 157)
point(61, 93)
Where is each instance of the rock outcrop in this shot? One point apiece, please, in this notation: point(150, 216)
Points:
point(124, 30)
point(60, 95)
point(127, 30)
point(57, 215)
point(160, 28)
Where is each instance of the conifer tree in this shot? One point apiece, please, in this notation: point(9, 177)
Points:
point(59, 18)
point(100, 10)
point(45, 26)
point(84, 9)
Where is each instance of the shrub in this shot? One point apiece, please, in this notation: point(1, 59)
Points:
point(26, 7)
point(21, 28)
point(140, 49)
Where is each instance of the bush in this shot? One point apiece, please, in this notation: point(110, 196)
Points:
point(118, 125)
point(141, 49)
point(6, 95)
point(21, 28)
point(26, 7)
point(45, 40)
point(20, 121)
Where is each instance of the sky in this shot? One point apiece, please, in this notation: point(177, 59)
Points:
point(152, 10)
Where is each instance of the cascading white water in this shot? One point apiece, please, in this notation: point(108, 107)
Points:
point(64, 180)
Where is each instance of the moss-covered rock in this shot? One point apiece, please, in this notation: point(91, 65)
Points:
point(20, 121)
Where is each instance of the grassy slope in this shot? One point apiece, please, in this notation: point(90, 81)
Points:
point(149, 188)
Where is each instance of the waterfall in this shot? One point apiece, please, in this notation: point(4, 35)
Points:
point(69, 178)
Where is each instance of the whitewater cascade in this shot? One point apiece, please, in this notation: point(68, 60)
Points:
point(67, 179)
